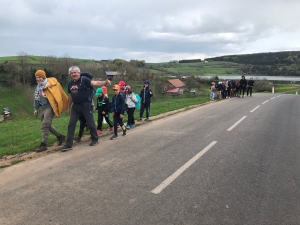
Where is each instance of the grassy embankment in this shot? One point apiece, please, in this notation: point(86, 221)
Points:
point(22, 133)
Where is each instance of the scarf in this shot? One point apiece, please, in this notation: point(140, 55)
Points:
point(39, 89)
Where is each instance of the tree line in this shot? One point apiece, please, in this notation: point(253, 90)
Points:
point(285, 63)
point(21, 71)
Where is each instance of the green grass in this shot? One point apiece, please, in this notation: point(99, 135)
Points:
point(22, 133)
point(201, 68)
point(286, 88)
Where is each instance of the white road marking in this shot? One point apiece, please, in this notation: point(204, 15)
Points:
point(265, 102)
point(171, 178)
point(273, 98)
point(234, 125)
point(254, 109)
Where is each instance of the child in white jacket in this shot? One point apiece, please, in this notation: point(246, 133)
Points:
point(130, 102)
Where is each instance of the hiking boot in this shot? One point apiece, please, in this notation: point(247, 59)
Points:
point(78, 139)
point(140, 119)
point(61, 138)
point(128, 126)
point(114, 137)
point(132, 125)
point(41, 148)
point(111, 128)
point(65, 148)
point(93, 143)
point(99, 132)
point(124, 132)
point(147, 119)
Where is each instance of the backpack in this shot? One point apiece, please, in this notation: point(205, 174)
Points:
point(138, 103)
point(91, 88)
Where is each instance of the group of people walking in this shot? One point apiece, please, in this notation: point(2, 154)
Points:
point(79, 104)
point(230, 88)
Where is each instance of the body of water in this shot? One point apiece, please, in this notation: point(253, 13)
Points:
point(271, 78)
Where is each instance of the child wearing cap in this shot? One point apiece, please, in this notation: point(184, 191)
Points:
point(103, 110)
point(118, 110)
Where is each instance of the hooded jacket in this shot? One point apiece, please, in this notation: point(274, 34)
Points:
point(56, 96)
point(145, 95)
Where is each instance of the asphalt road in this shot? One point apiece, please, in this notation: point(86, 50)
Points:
point(231, 162)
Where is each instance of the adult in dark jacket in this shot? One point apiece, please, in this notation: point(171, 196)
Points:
point(146, 95)
point(79, 98)
point(250, 86)
point(243, 84)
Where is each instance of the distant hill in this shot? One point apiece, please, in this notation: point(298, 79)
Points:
point(271, 63)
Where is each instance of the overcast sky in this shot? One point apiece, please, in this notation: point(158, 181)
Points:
point(150, 30)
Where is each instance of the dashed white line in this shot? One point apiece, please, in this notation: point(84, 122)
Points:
point(234, 125)
point(273, 98)
point(265, 102)
point(254, 109)
point(171, 178)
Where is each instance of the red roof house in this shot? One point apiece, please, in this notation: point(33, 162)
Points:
point(173, 87)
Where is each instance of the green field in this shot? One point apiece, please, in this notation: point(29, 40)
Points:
point(200, 68)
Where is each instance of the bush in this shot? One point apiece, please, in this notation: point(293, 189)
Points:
point(263, 85)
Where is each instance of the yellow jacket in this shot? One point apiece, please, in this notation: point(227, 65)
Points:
point(56, 96)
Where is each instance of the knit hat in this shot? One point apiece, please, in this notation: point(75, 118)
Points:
point(40, 73)
point(147, 82)
point(122, 83)
point(127, 88)
point(104, 89)
point(99, 91)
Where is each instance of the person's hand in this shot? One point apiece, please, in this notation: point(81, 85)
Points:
point(67, 111)
point(103, 113)
point(35, 112)
point(121, 116)
point(107, 81)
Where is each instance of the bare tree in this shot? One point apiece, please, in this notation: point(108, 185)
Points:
point(23, 61)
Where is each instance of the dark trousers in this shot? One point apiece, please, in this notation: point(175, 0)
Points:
point(84, 110)
point(130, 113)
point(242, 88)
point(144, 106)
point(118, 120)
point(82, 126)
point(249, 89)
point(100, 120)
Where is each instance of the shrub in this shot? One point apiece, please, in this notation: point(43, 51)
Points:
point(263, 85)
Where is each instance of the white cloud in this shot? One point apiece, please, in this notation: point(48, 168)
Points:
point(149, 30)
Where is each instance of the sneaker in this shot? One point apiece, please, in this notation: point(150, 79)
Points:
point(61, 138)
point(93, 143)
point(99, 132)
point(114, 137)
point(147, 119)
point(41, 148)
point(66, 148)
point(132, 125)
point(111, 128)
point(140, 119)
point(124, 133)
point(128, 126)
point(78, 139)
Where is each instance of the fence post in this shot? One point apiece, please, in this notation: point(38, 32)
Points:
point(272, 89)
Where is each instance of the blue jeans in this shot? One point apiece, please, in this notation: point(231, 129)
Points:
point(212, 95)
